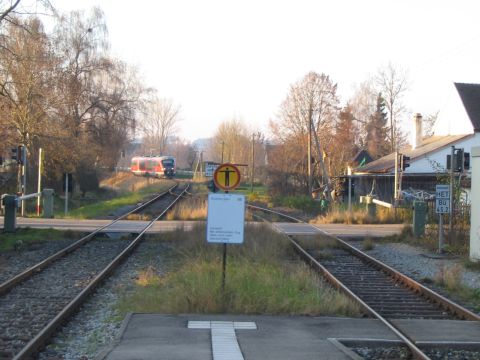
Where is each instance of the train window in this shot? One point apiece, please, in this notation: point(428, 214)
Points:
point(142, 164)
point(168, 162)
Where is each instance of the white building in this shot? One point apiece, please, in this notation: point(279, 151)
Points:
point(428, 156)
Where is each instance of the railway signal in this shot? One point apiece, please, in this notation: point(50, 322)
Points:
point(404, 162)
point(461, 161)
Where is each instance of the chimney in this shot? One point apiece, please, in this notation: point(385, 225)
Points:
point(417, 131)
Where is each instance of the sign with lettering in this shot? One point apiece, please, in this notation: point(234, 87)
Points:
point(210, 169)
point(225, 218)
point(227, 177)
point(442, 199)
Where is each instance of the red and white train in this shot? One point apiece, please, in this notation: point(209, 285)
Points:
point(156, 166)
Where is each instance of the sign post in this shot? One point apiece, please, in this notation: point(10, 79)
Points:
point(442, 206)
point(226, 212)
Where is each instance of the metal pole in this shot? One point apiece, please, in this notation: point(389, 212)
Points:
point(349, 190)
point(224, 266)
point(450, 218)
point(24, 173)
point(253, 162)
point(223, 145)
point(224, 263)
point(39, 184)
point(395, 193)
point(309, 154)
point(66, 193)
point(441, 240)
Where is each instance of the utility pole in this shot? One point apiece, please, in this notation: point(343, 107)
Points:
point(39, 184)
point(24, 175)
point(223, 146)
point(253, 162)
point(309, 152)
point(395, 192)
point(450, 218)
point(349, 173)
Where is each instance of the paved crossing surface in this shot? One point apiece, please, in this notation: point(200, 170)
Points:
point(179, 337)
point(135, 226)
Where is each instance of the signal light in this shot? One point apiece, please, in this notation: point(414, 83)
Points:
point(461, 161)
point(15, 154)
point(404, 162)
point(466, 161)
point(18, 154)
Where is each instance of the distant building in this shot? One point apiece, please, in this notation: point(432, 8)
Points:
point(428, 156)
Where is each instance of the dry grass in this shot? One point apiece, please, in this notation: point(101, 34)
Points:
point(263, 277)
point(193, 209)
point(138, 217)
point(450, 277)
point(360, 216)
point(368, 244)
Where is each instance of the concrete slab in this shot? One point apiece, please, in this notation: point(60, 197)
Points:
point(158, 336)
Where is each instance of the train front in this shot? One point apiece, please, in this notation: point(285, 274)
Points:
point(169, 168)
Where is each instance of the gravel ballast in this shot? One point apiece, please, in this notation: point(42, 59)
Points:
point(98, 323)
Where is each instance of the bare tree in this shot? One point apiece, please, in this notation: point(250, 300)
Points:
point(312, 103)
point(429, 123)
point(362, 105)
point(159, 123)
point(231, 142)
point(392, 83)
point(12, 10)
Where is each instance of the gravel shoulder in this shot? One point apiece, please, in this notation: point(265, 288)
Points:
point(418, 263)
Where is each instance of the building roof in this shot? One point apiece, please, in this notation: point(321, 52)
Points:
point(386, 164)
point(362, 157)
point(470, 95)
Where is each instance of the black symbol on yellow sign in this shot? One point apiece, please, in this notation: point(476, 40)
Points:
point(227, 177)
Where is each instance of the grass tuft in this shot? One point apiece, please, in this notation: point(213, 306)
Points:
point(194, 209)
point(450, 277)
point(368, 244)
point(25, 237)
point(339, 215)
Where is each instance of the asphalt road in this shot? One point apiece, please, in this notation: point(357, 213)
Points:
point(133, 226)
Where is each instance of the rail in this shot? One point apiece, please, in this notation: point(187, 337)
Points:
point(44, 335)
point(410, 283)
point(7, 285)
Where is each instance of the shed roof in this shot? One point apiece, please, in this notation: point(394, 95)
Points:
point(429, 145)
point(470, 95)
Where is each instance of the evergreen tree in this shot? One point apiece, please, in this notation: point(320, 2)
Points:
point(377, 131)
point(345, 145)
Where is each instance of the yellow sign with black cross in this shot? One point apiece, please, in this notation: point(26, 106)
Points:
point(227, 177)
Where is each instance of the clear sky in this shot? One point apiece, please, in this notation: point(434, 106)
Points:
point(221, 58)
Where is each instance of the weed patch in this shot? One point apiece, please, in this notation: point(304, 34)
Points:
point(24, 237)
point(263, 277)
point(103, 208)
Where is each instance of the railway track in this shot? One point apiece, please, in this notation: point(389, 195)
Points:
point(35, 303)
point(381, 291)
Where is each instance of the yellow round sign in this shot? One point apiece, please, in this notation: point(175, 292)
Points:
point(227, 177)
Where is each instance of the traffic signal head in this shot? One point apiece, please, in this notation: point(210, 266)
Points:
point(404, 162)
point(15, 154)
point(466, 161)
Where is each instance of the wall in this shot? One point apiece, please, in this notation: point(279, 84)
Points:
point(424, 163)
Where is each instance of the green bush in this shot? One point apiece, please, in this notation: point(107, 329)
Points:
point(301, 202)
